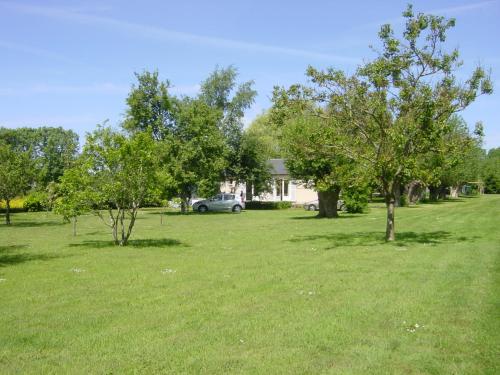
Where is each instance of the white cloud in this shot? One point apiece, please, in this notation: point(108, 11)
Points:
point(158, 33)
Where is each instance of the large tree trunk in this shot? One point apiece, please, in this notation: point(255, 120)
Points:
point(7, 211)
point(397, 195)
point(443, 191)
point(454, 191)
point(433, 193)
point(390, 203)
point(248, 191)
point(390, 230)
point(414, 191)
point(185, 204)
point(328, 203)
point(75, 218)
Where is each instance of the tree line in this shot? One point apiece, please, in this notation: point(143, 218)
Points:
point(392, 126)
point(167, 146)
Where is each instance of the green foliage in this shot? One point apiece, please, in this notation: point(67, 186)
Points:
point(115, 172)
point(254, 163)
point(221, 92)
point(149, 106)
point(304, 133)
point(37, 201)
point(261, 205)
point(456, 160)
point(356, 198)
point(193, 154)
point(16, 175)
point(395, 108)
point(262, 128)
point(491, 172)
point(52, 150)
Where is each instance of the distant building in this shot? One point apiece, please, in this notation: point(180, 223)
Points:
point(283, 187)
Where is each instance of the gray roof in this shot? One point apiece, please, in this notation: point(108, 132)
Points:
point(278, 166)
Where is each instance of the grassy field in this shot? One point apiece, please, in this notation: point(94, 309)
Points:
point(262, 292)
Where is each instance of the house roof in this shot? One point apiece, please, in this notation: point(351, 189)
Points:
point(278, 166)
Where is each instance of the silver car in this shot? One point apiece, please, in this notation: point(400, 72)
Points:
point(221, 202)
point(314, 205)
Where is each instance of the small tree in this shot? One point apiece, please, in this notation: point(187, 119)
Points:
point(73, 200)
point(16, 174)
point(118, 173)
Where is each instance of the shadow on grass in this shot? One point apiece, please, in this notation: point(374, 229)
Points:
point(378, 238)
point(97, 244)
point(462, 199)
point(9, 257)
point(340, 217)
point(29, 224)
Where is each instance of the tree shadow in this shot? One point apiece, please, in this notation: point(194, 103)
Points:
point(8, 257)
point(97, 244)
point(340, 217)
point(28, 224)
point(378, 238)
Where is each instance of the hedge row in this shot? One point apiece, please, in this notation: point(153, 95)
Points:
point(259, 205)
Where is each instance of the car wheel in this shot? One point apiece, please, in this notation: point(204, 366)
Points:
point(237, 209)
point(202, 209)
point(311, 207)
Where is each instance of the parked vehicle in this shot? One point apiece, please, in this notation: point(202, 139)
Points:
point(221, 202)
point(314, 205)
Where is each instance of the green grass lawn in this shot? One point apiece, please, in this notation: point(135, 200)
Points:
point(263, 292)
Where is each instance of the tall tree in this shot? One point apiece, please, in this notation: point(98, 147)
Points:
point(491, 171)
point(52, 149)
point(395, 108)
point(221, 91)
point(454, 161)
point(263, 129)
point(194, 152)
point(301, 134)
point(16, 175)
point(149, 106)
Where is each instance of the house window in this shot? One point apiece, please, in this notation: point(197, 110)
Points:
point(278, 187)
point(285, 188)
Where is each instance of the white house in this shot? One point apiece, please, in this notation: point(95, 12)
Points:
point(283, 187)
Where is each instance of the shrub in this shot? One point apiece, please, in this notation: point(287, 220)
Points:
point(356, 199)
point(260, 205)
point(403, 200)
point(16, 205)
point(37, 201)
point(491, 184)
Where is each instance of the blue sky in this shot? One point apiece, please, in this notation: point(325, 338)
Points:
point(71, 63)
